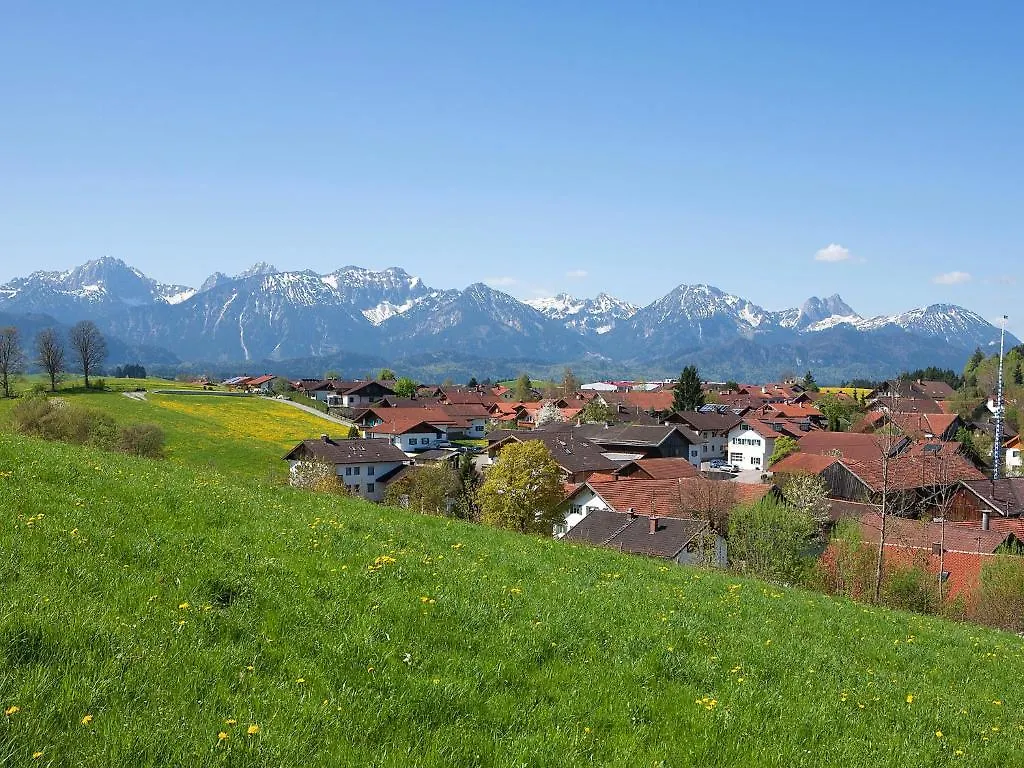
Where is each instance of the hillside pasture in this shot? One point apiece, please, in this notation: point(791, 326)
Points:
point(153, 614)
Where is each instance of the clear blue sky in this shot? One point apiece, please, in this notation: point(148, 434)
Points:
point(540, 146)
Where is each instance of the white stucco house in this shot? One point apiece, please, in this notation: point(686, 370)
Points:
point(1014, 456)
point(409, 433)
point(751, 444)
point(363, 466)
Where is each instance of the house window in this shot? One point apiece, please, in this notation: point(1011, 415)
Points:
point(735, 458)
point(348, 470)
point(412, 441)
point(755, 460)
point(371, 470)
point(355, 470)
point(370, 487)
point(575, 509)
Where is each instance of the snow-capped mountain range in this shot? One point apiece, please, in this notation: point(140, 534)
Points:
point(264, 313)
point(595, 316)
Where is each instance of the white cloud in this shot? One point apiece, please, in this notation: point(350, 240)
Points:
point(952, 278)
point(501, 282)
point(576, 274)
point(833, 252)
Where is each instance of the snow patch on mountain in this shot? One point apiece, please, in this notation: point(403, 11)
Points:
point(386, 310)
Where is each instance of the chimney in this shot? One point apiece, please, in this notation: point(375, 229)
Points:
point(325, 438)
point(654, 525)
point(631, 513)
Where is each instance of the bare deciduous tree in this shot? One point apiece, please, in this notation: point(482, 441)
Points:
point(886, 442)
point(710, 500)
point(12, 357)
point(50, 355)
point(89, 346)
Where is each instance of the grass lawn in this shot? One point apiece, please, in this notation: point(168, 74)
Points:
point(242, 437)
point(471, 443)
point(154, 614)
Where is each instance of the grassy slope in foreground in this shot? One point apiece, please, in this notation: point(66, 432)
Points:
point(165, 602)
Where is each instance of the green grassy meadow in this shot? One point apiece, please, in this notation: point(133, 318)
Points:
point(153, 613)
point(240, 437)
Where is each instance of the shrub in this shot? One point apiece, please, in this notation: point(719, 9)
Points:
point(99, 384)
point(31, 415)
point(910, 588)
point(770, 540)
point(999, 600)
point(848, 566)
point(84, 426)
point(142, 440)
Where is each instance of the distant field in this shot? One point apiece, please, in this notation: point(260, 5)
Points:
point(74, 382)
point(155, 615)
point(857, 392)
point(241, 437)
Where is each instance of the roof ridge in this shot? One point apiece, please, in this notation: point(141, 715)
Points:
point(621, 529)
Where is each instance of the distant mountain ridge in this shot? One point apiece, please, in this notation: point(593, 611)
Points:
point(266, 314)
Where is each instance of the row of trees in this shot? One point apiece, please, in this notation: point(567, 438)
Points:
point(88, 350)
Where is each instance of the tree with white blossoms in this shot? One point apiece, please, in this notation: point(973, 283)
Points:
point(548, 414)
point(808, 494)
point(316, 475)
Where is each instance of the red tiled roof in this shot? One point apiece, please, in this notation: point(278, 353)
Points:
point(763, 428)
point(644, 401)
point(402, 424)
point(803, 463)
point(916, 470)
point(666, 497)
point(667, 469)
point(851, 445)
point(792, 411)
point(918, 425)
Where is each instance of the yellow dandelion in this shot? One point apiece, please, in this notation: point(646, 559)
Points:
point(301, 680)
point(87, 720)
point(37, 755)
point(13, 710)
point(230, 721)
point(183, 606)
point(910, 698)
point(253, 729)
point(959, 753)
point(586, 730)
point(222, 736)
point(938, 734)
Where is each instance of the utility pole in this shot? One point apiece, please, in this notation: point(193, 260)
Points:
point(997, 449)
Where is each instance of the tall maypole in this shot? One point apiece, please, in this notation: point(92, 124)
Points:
point(997, 449)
